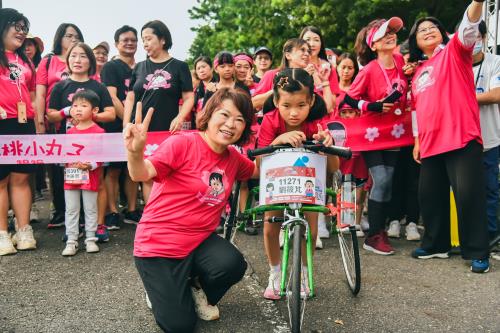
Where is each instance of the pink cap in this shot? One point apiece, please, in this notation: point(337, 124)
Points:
point(378, 32)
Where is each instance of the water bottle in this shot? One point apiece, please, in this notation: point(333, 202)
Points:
point(348, 201)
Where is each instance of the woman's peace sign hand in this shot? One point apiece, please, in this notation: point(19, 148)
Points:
point(134, 135)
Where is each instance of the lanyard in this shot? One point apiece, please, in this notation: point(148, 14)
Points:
point(387, 80)
point(478, 74)
point(18, 79)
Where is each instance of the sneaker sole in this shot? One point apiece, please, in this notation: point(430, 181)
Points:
point(8, 252)
point(113, 228)
point(26, 247)
point(374, 250)
point(130, 221)
point(393, 236)
point(433, 255)
point(480, 272)
point(413, 238)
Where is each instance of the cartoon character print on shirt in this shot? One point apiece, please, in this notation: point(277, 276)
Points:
point(215, 192)
point(159, 79)
point(70, 96)
point(425, 79)
point(15, 73)
point(63, 75)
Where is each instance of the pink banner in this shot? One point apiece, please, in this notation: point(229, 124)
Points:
point(373, 131)
point(66, 148)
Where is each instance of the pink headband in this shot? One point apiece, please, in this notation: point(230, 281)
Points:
point(243, 57)
point(216, 62)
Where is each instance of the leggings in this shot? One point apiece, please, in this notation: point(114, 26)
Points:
point(463, 170)
point(380, 165)
point(404, 201)
point(218, 266)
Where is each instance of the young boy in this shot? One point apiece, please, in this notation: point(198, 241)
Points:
point(81, 179)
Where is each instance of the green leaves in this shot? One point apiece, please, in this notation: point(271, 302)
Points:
point(243, 25)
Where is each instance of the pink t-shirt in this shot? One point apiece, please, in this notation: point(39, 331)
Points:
point(93, 184)
point(445, 100)
point(273, 126)
point(191, 189)
point(371, 84)
point(56, 72)
point(18, 74)
point(266, 83)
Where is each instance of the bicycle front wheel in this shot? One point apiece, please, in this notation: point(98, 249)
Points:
point(348, 243)
point(295, 306)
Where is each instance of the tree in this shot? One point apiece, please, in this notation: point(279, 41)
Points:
point(243, 25)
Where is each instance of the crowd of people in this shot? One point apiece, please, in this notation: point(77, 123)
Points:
point(450, 87)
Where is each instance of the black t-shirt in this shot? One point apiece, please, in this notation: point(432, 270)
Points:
point(63, 92)
point(199, 94)
point(237, 84)
point(255, 78)
point(160, 85)
point(116, 73)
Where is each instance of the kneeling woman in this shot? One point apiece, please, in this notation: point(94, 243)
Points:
point(185, 267)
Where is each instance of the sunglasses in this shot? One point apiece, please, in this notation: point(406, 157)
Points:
point(20, 27)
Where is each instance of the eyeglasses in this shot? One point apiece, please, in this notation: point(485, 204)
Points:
point(128, 40)
point(20, 27)
point(427, 29)
point(72, 37)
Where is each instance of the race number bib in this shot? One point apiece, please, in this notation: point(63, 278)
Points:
point(293, 177)
point(76, 176)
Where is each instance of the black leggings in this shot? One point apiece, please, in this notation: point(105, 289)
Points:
point(404, 201)
point(57, 185)
point(381, 165)
point(463, 170)
point(218, 266)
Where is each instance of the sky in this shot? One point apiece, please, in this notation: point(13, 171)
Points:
point(99, 19)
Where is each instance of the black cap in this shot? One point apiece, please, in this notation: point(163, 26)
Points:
point(263, 49)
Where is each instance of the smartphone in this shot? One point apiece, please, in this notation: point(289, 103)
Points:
point(393, 97)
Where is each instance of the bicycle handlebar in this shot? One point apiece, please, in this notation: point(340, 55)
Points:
point(310, 145)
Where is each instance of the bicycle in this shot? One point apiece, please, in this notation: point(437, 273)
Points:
point(293, 222)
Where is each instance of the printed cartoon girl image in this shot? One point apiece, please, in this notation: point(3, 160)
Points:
point(216, 184)
point(309, 188)
point(269, 190)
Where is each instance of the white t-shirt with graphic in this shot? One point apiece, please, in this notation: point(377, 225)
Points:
point(487, 77)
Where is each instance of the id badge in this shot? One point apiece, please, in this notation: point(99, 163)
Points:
point(21, 113)
point(76, 176)
point(3, 113)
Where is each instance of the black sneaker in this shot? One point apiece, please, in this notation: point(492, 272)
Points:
point(57, 220)
point(112, 221)
point(132, 217)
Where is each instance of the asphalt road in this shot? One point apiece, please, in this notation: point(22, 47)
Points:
point(41, 291)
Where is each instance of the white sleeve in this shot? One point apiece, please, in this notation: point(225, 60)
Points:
point(414, 125)
point(495, 77)
point(468, 32)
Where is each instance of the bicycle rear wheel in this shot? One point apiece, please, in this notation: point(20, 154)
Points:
point(296, 305)
point(231, 220)
point(348, 243)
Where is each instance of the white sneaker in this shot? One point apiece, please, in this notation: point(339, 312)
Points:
point(24, 239)
point(6, 246)
point(394, 230)
point(365, 226)
point(71, 248)
point(148, 302)
point(323, 231)
point(282, 238)
point(91, 246)
point(204, 310)
point(412, 232)
point(360, 233)
point(319, 243)
point(34, 213)
point(273, 286)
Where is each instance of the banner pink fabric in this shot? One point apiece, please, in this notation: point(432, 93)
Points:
point(373, 131)
point(66, 148)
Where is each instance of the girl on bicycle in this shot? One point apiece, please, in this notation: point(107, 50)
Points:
point(298, 118)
